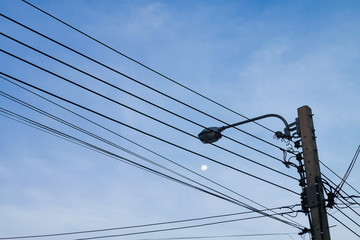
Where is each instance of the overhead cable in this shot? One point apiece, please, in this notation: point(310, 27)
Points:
point(347, 216)
point(144, 114)
point(12, 98)
point(337, 175)
point(347, 173)
point(157, 154)
point(118, 157)
point(171, 229)
point(351, 230)
point(130, 227)
point(132, 79)
point(133, 95)
point(98, 149)
point(224, 236)
point(141, 64)
point(146, 133)
point(342, 190)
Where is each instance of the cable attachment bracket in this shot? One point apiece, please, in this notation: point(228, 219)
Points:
point(294, 129)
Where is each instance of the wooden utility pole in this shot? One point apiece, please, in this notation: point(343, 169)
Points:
point(314, 189)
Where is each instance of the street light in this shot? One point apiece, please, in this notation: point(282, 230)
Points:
point(212, 134)
point(312, 194)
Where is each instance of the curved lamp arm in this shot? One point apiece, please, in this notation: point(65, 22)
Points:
point(212, 134)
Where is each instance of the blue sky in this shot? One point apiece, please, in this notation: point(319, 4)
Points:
point(254, 57)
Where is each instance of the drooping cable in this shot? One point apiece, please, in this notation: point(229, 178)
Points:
point(132, 79)
point(345, 200)
point(341, 191)
point(146, 133)
point(128, 151)
point(141, 64)
point(347, 173)
point(337, 175)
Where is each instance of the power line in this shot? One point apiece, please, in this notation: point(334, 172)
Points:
point(247, 206)
point(102, 139)
point(140, 146)
point(344, 225)
point(101, 150)
point(170, 229)
point(347, 216)
point(244, 205)
point(116, 156)
point(141, 64)
point(343, 180)
point(224, 236)
point(147, 134)
point(130, 227)
point(137, 144)
point(132, 79)
point(144, 114)
point(328, 179)
point(333, 172)
point(131, 94)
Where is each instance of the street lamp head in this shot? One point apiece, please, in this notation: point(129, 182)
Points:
point(210, 135)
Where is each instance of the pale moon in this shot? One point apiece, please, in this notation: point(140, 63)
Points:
point(204, 167)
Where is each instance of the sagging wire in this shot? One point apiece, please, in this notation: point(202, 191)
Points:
point(335, 192)
point(347, 173)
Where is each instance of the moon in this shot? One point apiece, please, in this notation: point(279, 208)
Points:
point(204, 167)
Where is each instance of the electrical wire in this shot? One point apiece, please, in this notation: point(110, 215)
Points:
point(147, 134)
point(130, 78)
point(103, 140)
point(137, 145)
point(347, 216)
point(344, 225)
point(349, 207)
point(246, 206)
point(144, 114)
point(81, 142)
point(157, 154)
point(98, 149)
point(333, 172)
point(170, 229)
point(347, 173)
point(93, 135)
point(129, 227)
point(224, 236)
point(141, 64)
point(126, 150)
point(349, 196)
point(133, 95)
